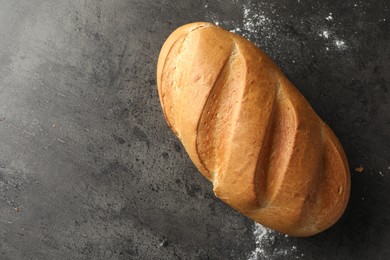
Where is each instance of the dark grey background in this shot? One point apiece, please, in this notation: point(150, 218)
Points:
point(90, 170)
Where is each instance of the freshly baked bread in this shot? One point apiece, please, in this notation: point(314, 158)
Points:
point(251, 132)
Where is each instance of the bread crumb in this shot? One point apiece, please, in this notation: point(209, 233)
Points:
point(359, 169)
point(164, 243)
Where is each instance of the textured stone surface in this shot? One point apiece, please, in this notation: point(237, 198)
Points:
point(90, 170)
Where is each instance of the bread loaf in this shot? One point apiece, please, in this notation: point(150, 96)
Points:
point(251, 132)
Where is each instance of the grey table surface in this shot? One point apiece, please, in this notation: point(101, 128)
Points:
point(90, 170)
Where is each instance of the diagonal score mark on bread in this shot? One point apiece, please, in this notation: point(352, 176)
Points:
point(214, 120)
point(250, 131)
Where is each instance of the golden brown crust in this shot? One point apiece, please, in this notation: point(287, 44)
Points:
point(251, 132)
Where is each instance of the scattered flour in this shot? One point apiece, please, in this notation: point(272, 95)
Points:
point(340, 44)
point(325, 34)
point(268, 33)
point(265, 239)
point(381, 174)
point(330, 17)
point(261, 235)
point(253, 22)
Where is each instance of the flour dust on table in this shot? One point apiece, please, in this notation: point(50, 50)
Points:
point(261, 24)
point(266, 241)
